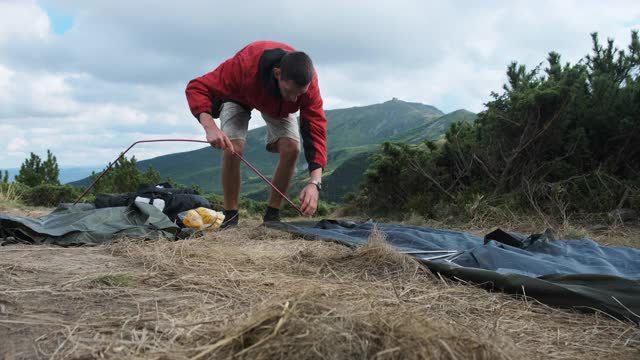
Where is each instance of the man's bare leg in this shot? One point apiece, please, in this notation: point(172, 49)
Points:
point(289, 151)
point(231, 176)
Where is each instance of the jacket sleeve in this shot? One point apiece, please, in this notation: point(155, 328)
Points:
point(220, 83)
point(313, 128)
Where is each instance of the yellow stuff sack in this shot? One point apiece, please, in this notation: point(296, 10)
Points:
point(202, 219)
point(210, 217)
point(193, 220)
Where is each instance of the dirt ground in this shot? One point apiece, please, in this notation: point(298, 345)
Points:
point(256, 293)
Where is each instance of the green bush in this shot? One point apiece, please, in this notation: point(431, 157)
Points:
point(323, 209)
point(216, 201)
point(288, 211)
point(51, 195)
point(124, 176)
point(252, 207)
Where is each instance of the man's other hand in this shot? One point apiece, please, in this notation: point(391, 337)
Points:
point(309, 199)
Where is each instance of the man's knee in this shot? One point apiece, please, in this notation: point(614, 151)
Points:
point(238, 147)
point(288, 148)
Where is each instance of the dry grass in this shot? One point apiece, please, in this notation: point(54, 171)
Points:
point(256, 293)
point(618, 235)
point(9, 194)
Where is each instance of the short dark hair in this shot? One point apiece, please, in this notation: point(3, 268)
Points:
point(296, 66)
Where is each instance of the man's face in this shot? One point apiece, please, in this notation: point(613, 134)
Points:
point(289, 90)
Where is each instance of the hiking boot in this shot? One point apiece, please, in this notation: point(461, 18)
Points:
point(271, 215)
point(231, 218)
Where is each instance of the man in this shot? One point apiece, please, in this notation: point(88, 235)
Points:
point(278, 81)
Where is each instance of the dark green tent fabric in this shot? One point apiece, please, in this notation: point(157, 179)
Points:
point(579, 274)
point(613, 295)
point(83, 224)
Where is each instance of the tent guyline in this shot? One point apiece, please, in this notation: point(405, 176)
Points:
point(185, 140)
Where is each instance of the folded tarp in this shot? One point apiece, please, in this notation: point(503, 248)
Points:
point(83, 224)
point(579, 274)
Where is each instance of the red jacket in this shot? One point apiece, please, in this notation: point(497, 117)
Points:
point(247, 79)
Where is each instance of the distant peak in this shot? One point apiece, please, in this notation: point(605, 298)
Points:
point(463, 111)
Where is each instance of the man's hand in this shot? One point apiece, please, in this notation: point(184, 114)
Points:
point(309, 199)
point(215, 136)
point(218, 139)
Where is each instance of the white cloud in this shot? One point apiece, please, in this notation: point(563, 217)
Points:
point(18, 144)
point(22, 21)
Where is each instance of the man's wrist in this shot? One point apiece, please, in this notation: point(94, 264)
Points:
point(207, 122)
point(316, 175)
point(317, 183)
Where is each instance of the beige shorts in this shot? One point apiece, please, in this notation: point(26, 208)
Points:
point(234, 122)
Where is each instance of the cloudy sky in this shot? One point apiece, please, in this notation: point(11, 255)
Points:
point(87, 78)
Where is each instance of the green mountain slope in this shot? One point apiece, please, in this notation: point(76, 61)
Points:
point(437, 128)
point(374, 124)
